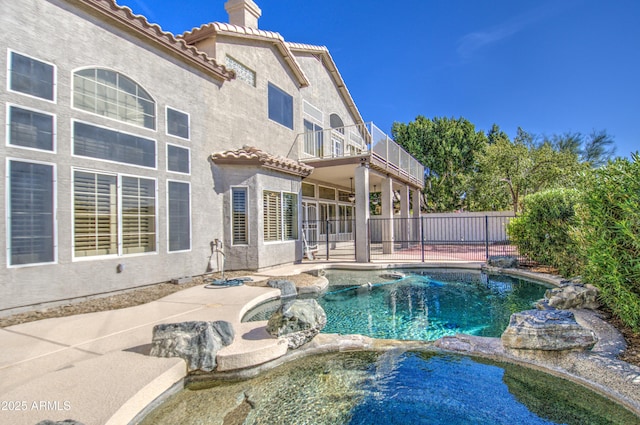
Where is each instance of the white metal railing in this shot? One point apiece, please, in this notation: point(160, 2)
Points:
point(359, 140)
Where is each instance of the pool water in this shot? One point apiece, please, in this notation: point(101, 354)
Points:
point(426, 304)
point(395, 387)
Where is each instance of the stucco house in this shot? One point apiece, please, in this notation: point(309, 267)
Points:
point(131, 155)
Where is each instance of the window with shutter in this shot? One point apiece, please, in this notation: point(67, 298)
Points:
point(95, 214)
point(111, 145)
point(272, 216)
point(239, 216)
point(178, 159)
point(179, 216)
point(138, 215)
point(112, 211)
point(31, 76)
point(30, 129)
point(280, 216)
point(31, 215)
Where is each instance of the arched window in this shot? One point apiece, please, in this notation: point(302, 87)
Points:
point(111, 94)
point(336, 123)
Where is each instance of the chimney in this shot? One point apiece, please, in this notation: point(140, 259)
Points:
point(244, 13)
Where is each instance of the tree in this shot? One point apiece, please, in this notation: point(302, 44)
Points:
point(595, 149)
point(448, 148)
point(508, 171)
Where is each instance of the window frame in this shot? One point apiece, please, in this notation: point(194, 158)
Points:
point(188, 173)
point(169, 181)
point(119, 236)
point(73, 148)
point(245, 190)
point(281, 222)
point(54, 76)
point(54, 136)
point(8, 211)
point(166, 122)
point(142, 126)
point(288, 123)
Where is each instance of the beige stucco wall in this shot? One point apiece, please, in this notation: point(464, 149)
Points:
point(223, 116)
point(53, 32)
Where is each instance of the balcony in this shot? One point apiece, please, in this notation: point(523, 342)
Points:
point(356, 144)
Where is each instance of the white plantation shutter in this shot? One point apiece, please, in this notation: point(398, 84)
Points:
point(95, 214)
point(138, 215)
point(272, 216)
point(239, 216)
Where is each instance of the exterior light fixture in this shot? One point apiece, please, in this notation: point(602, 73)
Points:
point(352, 196)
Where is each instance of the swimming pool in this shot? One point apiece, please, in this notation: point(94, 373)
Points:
point(394, 387)
point(420, 304)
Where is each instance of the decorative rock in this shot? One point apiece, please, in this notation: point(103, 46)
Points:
point(286, 287)
point(503, 261)
point(570, 296)
point(548, 330)
point(298, 321)
point(196, 342)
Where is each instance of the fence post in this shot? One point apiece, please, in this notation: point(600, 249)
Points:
point(328, 231)
point(422, 238)
point(486, 237)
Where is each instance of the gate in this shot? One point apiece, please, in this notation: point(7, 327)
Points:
point(329, 239)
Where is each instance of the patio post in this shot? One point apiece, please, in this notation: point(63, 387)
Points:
point(362, 213)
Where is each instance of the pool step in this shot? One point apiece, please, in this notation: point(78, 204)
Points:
point(252, 346)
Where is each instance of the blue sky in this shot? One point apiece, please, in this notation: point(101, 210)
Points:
point(548, 66)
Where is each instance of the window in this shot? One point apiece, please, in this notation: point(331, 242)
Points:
point(138, 215)
point(290, 216)
point(242, 72)
point(111, 94)
point(239, 222)
point(32, 77)
point(178, 159)
point(336, 123)
point(346, 218)
point(280, 106)
point(179, 216)
point(327, 193)
point(280, 216)
point(309, 190)
point(31, 129)
point(113, 214)
point(313, 139)
point(31, 213)
point(111, 145)
point(177, 123)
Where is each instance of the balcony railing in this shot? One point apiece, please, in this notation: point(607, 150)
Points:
point(357, 141)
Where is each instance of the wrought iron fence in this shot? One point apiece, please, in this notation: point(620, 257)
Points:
point(441, 238)
point(329, 239)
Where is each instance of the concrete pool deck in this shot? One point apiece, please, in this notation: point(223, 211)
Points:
point(94, 367)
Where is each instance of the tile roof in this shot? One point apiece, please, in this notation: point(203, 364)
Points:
point(219, 28)
point(250, 155)
point(138, 24)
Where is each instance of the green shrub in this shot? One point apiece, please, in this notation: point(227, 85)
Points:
point(609, 235)
point(543, 232)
